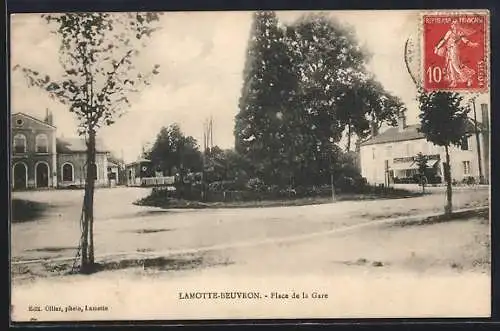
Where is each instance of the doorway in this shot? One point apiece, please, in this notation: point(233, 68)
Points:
point(20, 176)
point(42, 175)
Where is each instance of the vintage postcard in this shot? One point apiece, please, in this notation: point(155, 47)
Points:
point(250, 165)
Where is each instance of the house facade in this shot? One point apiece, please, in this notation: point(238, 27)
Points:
point(34, 154)
point(72, 163)
point(390, 157)
point(40, 159)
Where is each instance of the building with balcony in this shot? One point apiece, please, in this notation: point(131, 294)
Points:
point(390, 157)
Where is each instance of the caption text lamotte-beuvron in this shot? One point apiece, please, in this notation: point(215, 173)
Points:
point(250, 295)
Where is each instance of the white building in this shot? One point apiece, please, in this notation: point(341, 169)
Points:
point(389, 157)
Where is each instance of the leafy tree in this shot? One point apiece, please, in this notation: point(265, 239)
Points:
point(237, 167)
point(336, 94)
point(365, 104)
point(329, 62)
point(173, 151)
point(444, 123)
point(97, 52)
point(215, 164)
point(267, 88)
point(304, 86)
point(421, 161)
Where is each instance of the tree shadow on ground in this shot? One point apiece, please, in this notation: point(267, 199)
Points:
point(46, 269)
point(26, 210)
point(51, 249)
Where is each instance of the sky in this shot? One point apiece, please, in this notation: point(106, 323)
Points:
point(201, 57)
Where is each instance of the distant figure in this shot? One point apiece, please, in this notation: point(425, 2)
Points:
point(455, 71)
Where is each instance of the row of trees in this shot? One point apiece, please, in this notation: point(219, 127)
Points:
point(174, 153)
point(305, 88)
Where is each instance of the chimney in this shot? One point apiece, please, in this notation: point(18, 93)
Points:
point(401, 121)
point(48, 117)
point(374, 129)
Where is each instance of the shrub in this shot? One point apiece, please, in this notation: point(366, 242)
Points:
point(256, 184)
point(469, 180)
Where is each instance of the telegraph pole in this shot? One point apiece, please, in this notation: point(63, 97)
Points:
point(476, 131)
point(203, 157)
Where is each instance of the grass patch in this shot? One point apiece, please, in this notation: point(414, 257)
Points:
point(146, 231)
point(364, 262)
point(481, 214)
point(155, 200)
point(26, 210)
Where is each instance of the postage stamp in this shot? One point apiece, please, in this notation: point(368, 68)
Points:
point(455, 51)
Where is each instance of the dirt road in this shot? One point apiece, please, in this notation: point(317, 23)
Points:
point(123, 227)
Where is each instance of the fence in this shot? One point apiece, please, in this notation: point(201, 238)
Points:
point(157, 181)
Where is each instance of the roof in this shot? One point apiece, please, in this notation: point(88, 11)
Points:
point(394, 134)
point(411, 132)
point(76, 145)
point(34, 119)
point(138, 161)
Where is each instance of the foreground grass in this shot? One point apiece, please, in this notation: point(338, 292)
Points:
point(154, 200)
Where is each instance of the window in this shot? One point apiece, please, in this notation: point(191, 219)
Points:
point(466, 167)
point(19, 122)
point(465, 144)
point(42, 143)
point(19, 143)
point(67, 172)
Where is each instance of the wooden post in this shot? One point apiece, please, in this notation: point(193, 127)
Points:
point(333, 187)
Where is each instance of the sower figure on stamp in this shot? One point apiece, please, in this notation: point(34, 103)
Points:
point(455, 71)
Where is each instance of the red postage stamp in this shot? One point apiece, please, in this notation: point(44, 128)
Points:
point(455, 56)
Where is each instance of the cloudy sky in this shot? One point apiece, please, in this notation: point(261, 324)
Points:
point(201, 56)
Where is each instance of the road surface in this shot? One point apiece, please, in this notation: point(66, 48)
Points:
point(121, 226)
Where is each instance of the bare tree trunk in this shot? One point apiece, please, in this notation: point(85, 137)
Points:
point(85, 233)
point(447, 175)
point(91, 198)
point(88, 253)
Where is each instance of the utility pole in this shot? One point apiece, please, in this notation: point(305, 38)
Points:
point(476, 131)
point(330, 150)
point(203, 157)
point(211, 133)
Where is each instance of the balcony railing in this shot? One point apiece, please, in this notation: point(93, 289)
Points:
point(412, 158)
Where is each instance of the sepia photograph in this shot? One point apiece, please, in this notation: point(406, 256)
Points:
point(249, 165)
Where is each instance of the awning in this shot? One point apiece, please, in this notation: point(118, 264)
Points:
point(431, 163)
point(404, 166)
